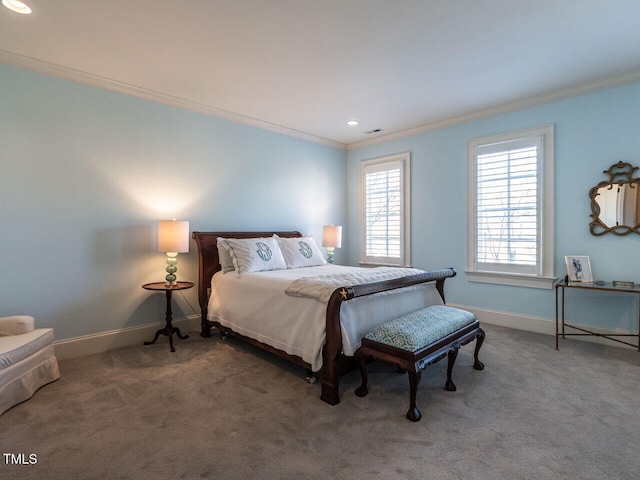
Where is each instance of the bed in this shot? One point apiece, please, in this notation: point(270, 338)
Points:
point(320, 332)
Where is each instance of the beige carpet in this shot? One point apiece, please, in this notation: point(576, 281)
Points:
point(223, 410)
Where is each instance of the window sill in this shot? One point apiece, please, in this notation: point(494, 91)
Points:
point(512, 279)
point(380, 264)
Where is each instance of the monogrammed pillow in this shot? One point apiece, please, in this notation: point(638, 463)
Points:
point(300, 252)
point(254, 254)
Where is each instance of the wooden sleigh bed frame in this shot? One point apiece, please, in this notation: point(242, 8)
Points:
point(334, 362)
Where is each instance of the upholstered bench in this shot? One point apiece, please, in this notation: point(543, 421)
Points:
point(417, 340)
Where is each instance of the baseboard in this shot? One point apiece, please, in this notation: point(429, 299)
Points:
point(546, 326)
point(102, 342)
point(518, 321)
point(125, 337)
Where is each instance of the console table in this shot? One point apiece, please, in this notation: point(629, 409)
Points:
point(607, 287)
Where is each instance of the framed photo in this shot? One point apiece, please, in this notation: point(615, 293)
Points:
point(578, 268)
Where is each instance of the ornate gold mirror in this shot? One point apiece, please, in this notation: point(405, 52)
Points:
point(615, 204)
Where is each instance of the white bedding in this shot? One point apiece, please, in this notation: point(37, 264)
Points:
point(256, 305)
point(321, 287)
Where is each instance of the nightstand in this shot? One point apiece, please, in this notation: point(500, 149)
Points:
point(169, 329)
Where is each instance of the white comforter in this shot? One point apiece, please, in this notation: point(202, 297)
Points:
point(256, 305)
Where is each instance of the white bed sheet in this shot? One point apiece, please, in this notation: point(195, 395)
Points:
point(256, 305)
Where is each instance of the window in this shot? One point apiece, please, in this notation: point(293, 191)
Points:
point(511, 208)
point(385, 210)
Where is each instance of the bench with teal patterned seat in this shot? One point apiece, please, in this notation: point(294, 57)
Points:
point(417, 340)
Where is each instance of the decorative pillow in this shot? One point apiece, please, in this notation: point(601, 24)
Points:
point(226, 262)
point(300, 252)
point(254, 254)
point(16, 325)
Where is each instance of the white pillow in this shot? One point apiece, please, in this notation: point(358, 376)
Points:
point(300, 252)
point(224, 256)
point(16, 325)
point(254, 254)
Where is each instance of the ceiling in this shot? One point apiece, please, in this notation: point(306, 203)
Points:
point(306, 67)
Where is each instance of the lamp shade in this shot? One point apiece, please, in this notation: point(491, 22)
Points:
point(331, 236)
point(173, 236)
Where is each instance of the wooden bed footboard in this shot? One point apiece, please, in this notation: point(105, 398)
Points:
point(334, 362)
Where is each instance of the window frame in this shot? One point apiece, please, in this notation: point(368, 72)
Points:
point(403, 160)
point(544, 276)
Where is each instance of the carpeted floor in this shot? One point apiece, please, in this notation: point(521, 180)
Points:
point(223, 410)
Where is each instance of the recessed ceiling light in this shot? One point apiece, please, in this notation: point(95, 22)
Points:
point(17, 6)
point(353, 123)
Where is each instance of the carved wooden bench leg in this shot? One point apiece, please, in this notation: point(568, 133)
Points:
point(362, 390)
point(413, 413)
point(452, 354)
point(477, 364)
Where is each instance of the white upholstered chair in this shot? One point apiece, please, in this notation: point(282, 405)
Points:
point(27, 360)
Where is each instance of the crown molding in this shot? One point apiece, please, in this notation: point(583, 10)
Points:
point(555, 96)
point(71, 74)
point(79, 76)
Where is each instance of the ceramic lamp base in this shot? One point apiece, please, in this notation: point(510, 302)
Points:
point(172, 261)
point(330, 255)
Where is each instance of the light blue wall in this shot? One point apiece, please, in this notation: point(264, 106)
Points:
point(591, 133)
point(86, 174)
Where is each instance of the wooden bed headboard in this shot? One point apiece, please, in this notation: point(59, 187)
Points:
point(209, 262)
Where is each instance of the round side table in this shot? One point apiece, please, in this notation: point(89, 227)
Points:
point(169, 329)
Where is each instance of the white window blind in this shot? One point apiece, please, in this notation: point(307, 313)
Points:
point(510, 229)
point(385, 204)
point(507, 207)
point(383, 213)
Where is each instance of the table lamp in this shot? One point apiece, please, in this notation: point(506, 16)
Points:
point(331, 238)
point(173, 238)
